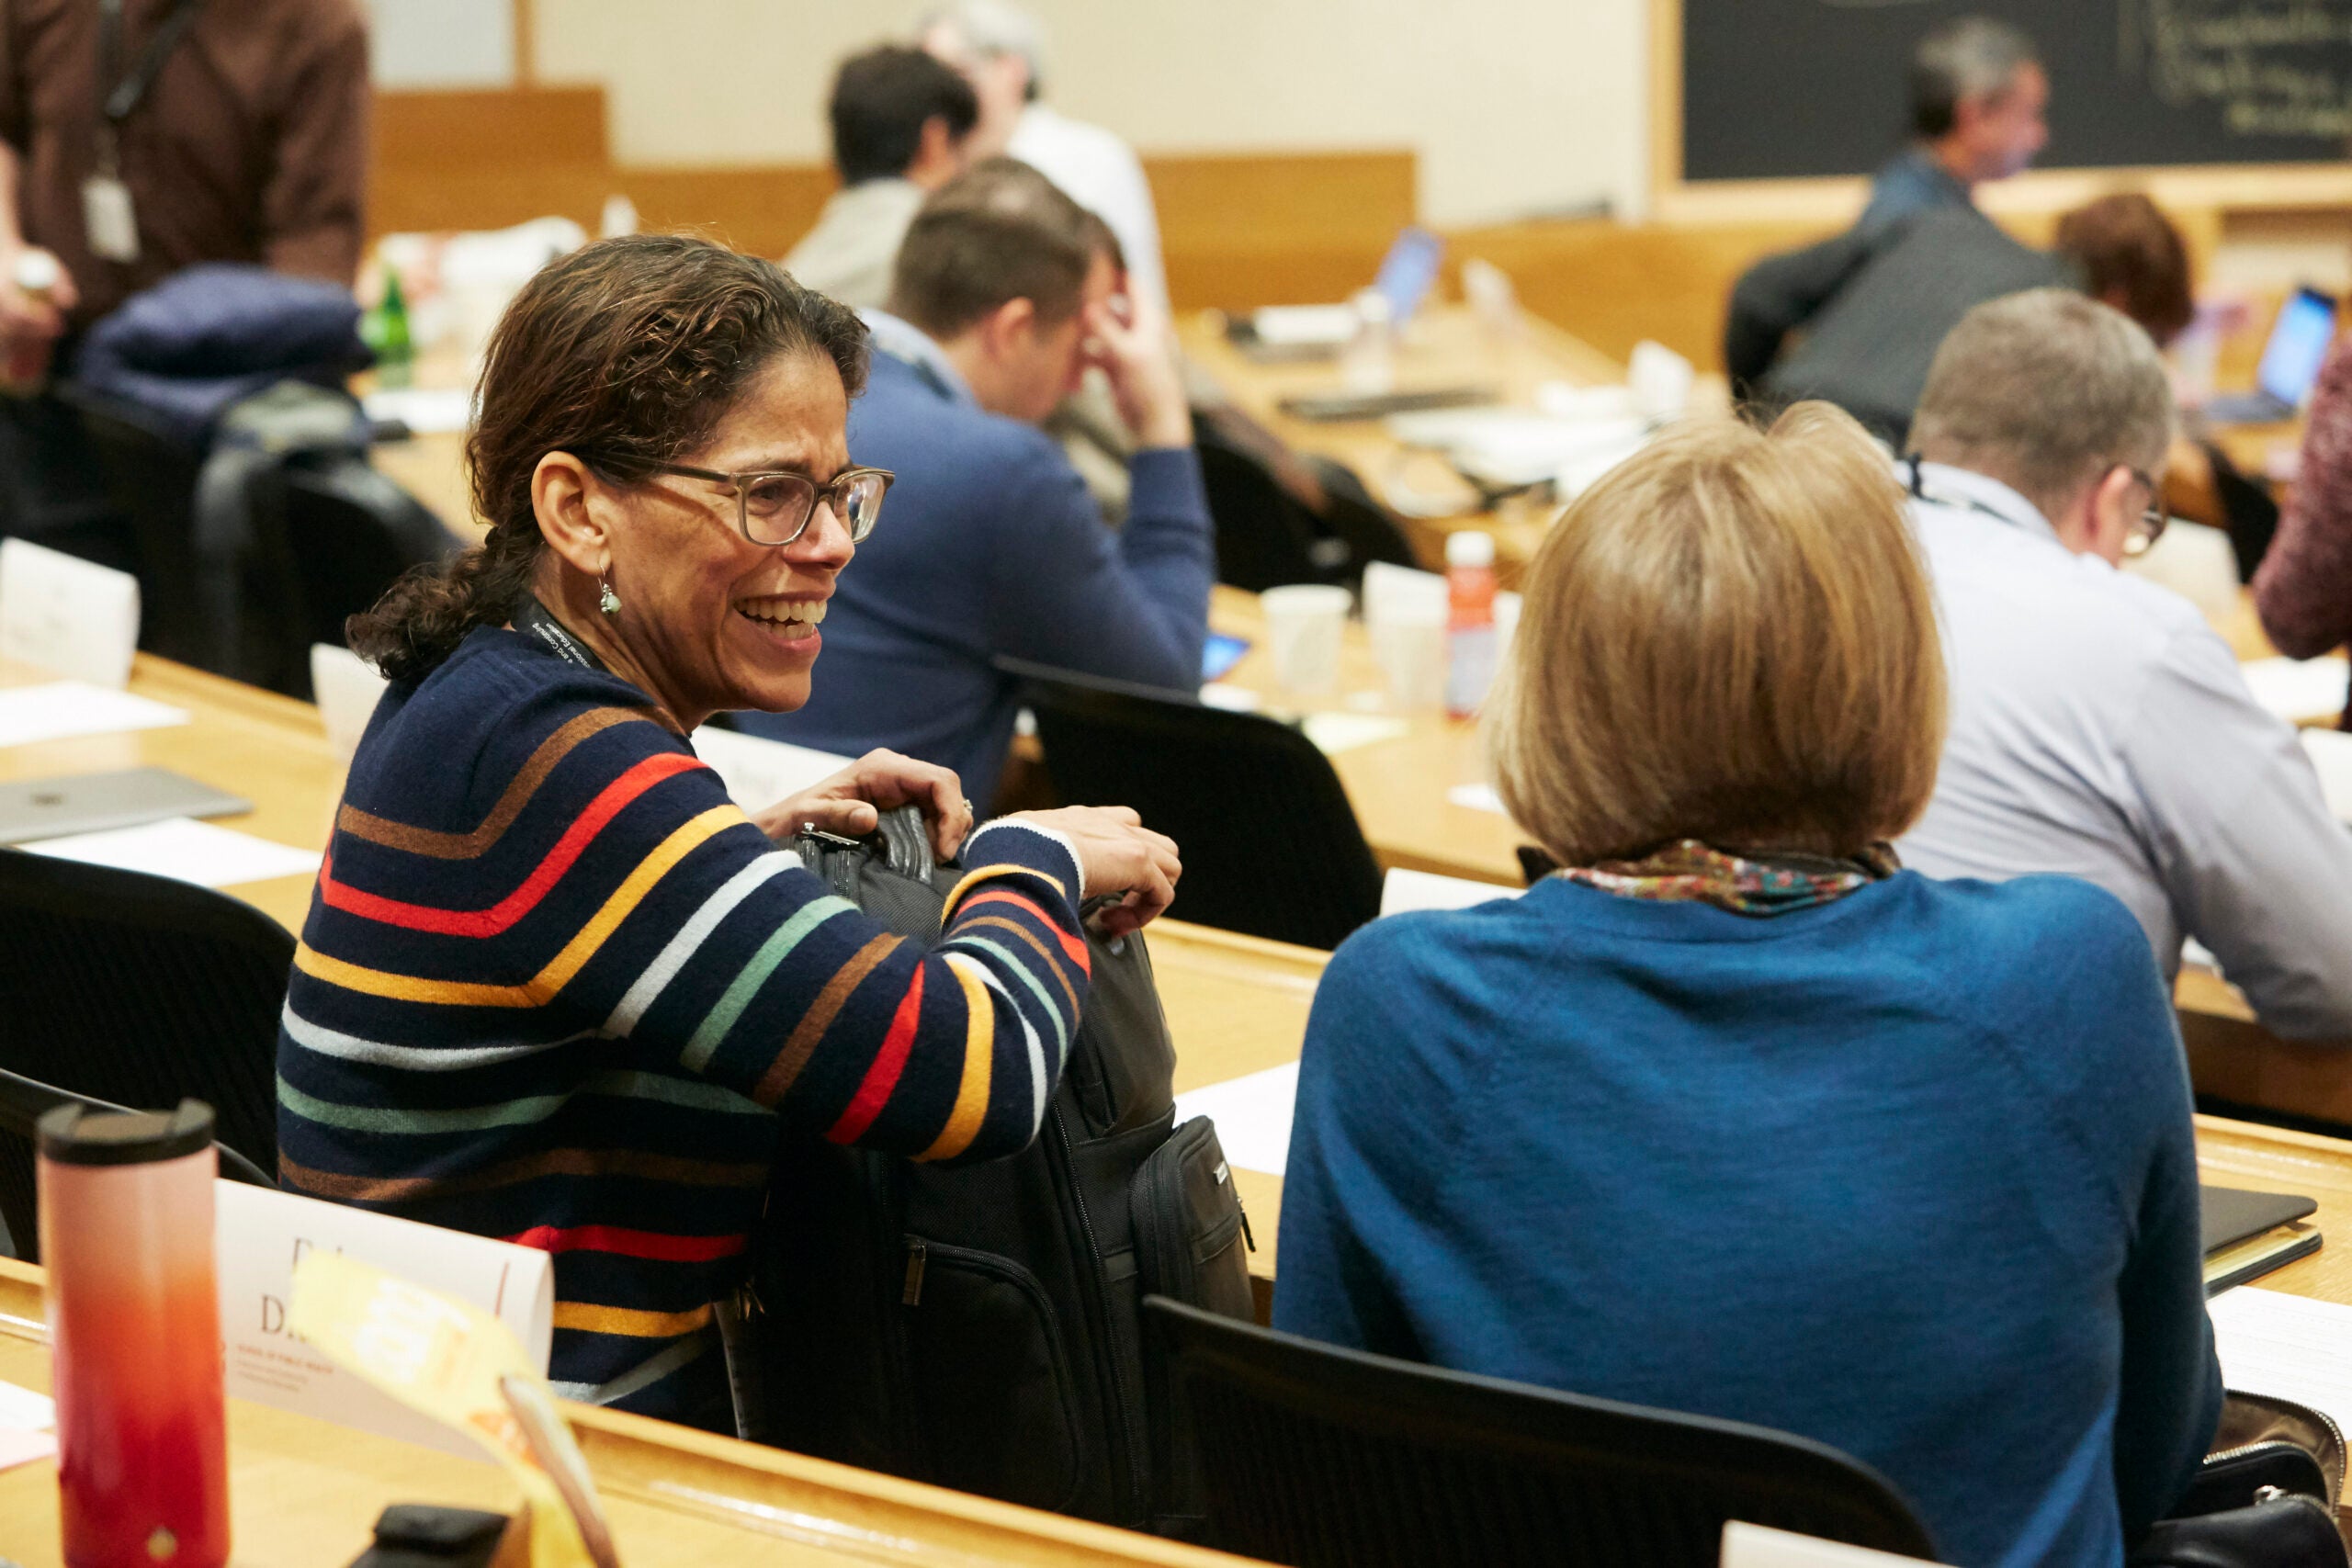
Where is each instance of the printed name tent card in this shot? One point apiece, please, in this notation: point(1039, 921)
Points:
point(260, 1233)
point(67, 615)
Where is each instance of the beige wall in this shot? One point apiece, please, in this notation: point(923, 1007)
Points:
point(1513, 105)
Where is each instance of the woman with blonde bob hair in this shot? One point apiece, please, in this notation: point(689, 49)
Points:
point(1733, 1115)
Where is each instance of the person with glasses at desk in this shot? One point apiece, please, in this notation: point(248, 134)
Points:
point(2099, 727)
point(555, 987)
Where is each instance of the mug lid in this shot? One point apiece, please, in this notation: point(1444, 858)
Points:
point(75, 1135)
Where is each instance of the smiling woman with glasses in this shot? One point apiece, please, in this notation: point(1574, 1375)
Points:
point(555, 985)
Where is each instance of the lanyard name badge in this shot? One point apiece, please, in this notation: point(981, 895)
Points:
point(109, 221)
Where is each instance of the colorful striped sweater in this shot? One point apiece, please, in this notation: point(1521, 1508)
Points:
point(556, 987)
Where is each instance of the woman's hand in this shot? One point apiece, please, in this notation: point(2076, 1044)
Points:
point(851, 802)
point(1118, 856)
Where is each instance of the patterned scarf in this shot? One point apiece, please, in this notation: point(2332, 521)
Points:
point(1688, 869)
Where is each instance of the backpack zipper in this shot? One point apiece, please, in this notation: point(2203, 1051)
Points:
point(1126, 1424)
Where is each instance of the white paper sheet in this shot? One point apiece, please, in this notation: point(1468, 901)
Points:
point(2286, 1346)
point(183, 848)
point(426, 411)
point(346, 688)
point(1336, 732)
point(260, 1233)
point(2299, 691)
point(61, 710)
point(1252, 1116)
point(1754, 1546)
point(1402, 890)
point(2331, 754)
point(757, 771)
point(27, 1425)
point(1478, 798)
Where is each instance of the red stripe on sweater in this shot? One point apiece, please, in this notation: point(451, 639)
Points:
point(654, 1244)
point(502, 915)
point(1073, 945)
point(882, 1073)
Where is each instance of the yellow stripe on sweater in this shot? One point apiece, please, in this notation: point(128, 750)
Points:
point(971, 878)
point(543, 987)
point(590, 1318)
point(979, 1049)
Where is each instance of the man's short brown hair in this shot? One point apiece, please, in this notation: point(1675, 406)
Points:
point(996, 232)
point(1729, 639)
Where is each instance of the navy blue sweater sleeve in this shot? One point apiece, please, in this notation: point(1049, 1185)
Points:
point(1132, 605)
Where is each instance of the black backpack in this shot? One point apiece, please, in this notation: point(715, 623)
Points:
point(980, 1327)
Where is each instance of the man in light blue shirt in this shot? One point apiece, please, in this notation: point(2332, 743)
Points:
point(1978, 95)
point(2099, 725)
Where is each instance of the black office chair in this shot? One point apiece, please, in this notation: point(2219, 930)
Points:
point(1271, 844)
point(330, 536)
point(149, 475)
point(1313, 1455)
point(1264, 536)
point(136, 990)
point(1354, 517)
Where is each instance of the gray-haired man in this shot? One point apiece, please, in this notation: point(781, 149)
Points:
point(2098, 726)
point(1978, 94)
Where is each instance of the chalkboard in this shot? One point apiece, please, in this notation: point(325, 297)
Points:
point(1774, 88)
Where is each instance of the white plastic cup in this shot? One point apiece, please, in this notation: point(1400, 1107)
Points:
point(1409, 642)
point(1303, 623)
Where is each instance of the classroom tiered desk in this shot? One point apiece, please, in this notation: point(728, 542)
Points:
point(305, 1492)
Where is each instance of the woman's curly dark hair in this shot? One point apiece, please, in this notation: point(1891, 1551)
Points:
point(627, 353)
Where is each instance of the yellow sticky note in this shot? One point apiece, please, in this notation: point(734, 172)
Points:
point(465, 1369)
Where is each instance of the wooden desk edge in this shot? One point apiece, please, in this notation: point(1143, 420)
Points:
point(786, 1496)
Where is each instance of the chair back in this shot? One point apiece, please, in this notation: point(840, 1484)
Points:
point(139, 991)
point(1271, 845)
point(150, 477)
point(1358, 520)
point(1265, 537)
point(331, 536)
point(1314, 1455)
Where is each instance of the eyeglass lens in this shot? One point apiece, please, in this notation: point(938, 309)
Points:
point(777, 507)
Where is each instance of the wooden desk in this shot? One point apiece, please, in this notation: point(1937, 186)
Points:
point(304, 1493)
point(1447, 345)
point(271, 750)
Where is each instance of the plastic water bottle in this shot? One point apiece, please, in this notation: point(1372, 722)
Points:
point(1367, 366)
point(1470, 620)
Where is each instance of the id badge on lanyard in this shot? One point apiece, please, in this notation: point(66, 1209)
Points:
point(109, 217)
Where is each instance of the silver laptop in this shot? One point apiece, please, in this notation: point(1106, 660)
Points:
point(93, 803)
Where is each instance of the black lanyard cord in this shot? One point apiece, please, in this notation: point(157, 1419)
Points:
point(123, 91)
point(532, 617)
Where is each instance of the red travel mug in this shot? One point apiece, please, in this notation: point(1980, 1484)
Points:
point(134, 1330)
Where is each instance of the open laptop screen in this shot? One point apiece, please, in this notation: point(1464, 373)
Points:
point(2298, 346)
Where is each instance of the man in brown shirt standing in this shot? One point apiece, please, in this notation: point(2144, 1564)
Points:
point(139, 136)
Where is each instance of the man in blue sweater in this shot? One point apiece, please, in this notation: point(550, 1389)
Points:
point(1005, 292)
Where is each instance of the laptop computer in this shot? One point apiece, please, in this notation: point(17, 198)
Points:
point(93, 803)
point(2290, 362)
point(1277, 333)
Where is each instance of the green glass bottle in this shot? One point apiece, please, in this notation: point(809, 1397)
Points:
point(385, 330)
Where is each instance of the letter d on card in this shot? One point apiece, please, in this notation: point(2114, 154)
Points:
point(262, 1234)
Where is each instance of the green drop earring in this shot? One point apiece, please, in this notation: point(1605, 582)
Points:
point(608, 601)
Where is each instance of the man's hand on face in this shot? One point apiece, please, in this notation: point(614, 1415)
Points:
point(1133, 346)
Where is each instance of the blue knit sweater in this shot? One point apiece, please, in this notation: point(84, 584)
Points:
point(1911, 1173)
